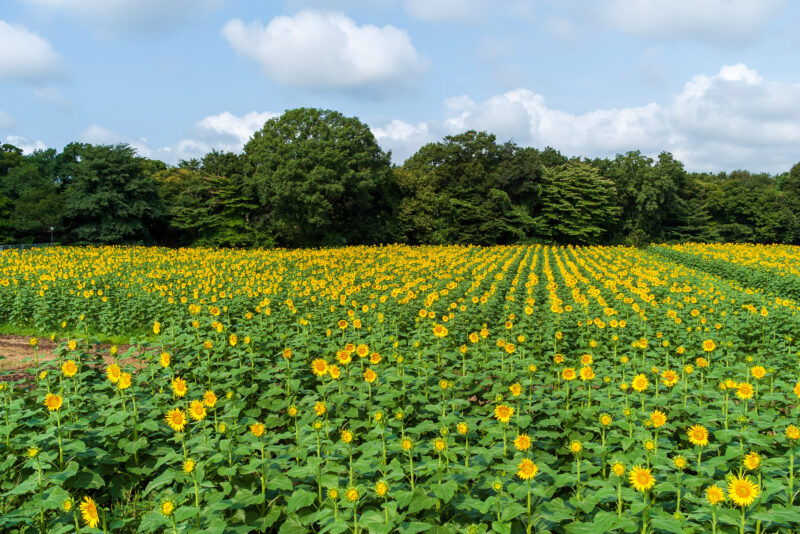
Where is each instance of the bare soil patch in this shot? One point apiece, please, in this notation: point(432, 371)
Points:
point(18, 357)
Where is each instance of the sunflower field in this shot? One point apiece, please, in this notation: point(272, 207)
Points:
point(403, 389)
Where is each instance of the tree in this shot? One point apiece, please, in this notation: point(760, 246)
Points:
point(110, 198)
point(320, 178)
point(577, 204)
point(458, 184)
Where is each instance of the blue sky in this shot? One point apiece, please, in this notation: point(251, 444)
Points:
point(713, 81)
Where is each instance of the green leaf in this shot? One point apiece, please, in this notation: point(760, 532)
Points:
point(300, 499)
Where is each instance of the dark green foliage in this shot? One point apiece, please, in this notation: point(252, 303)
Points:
point(314, 177)
point(320, 178)
point(577, 204)
point(110, 198)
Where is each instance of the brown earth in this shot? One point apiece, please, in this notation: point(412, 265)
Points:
point(17, 356)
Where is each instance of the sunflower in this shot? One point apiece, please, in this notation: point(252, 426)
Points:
point(679, 462)
point(709, 345)
point(344, 357)
point(658, 418)
point(618, 468)
point(124, 381)
point(639, 382)
point(568, 374)
point(113, 371)
point(319, 367)
point(346, 436)
point(179, 387)
point(370, 376)
point(89, 512)
point(715, 495)
point(53, 402)
point(745, 390)
point(439, 444)
point(197, 410)
point(462, 428)
point(605, 419)
point(758, 372)
point(374, 358)
point(292, 411)
point(381, 488)
point(752, 461)
point(503, 413)
point(362, 351)
point(793, 432)
point(586, 359)
point(576, 446)
point(669, 378)
point(515, 389)
point(320, 408)
point(333, 493)
point(167, 508)
point(742, 491)
point(587, 373)
point(176, 419)
point(352, 494)
point(209, 398)
point(641, 479)
point(164, 359)
point(698, 435)
point(522, 442)
point(526, 469)
point(257, 429)
point(69, 368)
point(797, 390)
point(407, 444)
point(335, 372)
point(188, 466)
point(439, 331)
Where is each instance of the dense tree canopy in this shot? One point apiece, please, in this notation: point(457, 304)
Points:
point(314, 177)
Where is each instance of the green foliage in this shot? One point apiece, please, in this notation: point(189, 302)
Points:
point(320, 179)
point(110, 198)
point(577, 204)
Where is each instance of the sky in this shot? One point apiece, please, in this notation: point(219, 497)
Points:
point(715, 82)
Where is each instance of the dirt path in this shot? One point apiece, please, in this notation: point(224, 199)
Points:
point(17, 355)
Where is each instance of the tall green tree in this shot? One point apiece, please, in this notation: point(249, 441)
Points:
point(320, 178)
point(577, 204)
point(110, 198)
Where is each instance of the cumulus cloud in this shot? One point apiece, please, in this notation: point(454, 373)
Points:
point(719, 21)
point(328, 51)
point(141, 14)
point(729, 120)
point(25, 144)
point(6, 120)
point(27, 57)
point(225, 132)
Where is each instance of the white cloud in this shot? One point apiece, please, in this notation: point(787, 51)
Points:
point(718, 21)
point(733, 119)
point(6, 120)
point(230, 129)
point(432, 11)
point(145, 14)
point(448, 10)
point(319, 51)
point(26, 145)
point(26, 57)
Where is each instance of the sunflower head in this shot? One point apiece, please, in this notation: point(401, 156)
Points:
point(714, 495)
point(742, 491)
point(526, 469)
point(641, 478)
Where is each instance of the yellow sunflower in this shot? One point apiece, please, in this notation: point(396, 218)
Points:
point(742, 491)
point(698, 435)
point(641, 478)
point(526, 469)
point(176, 419)
point(503, 413)
point(89, 512)
point(522, 442)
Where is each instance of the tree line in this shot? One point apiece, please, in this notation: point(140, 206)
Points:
point(312, 178)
